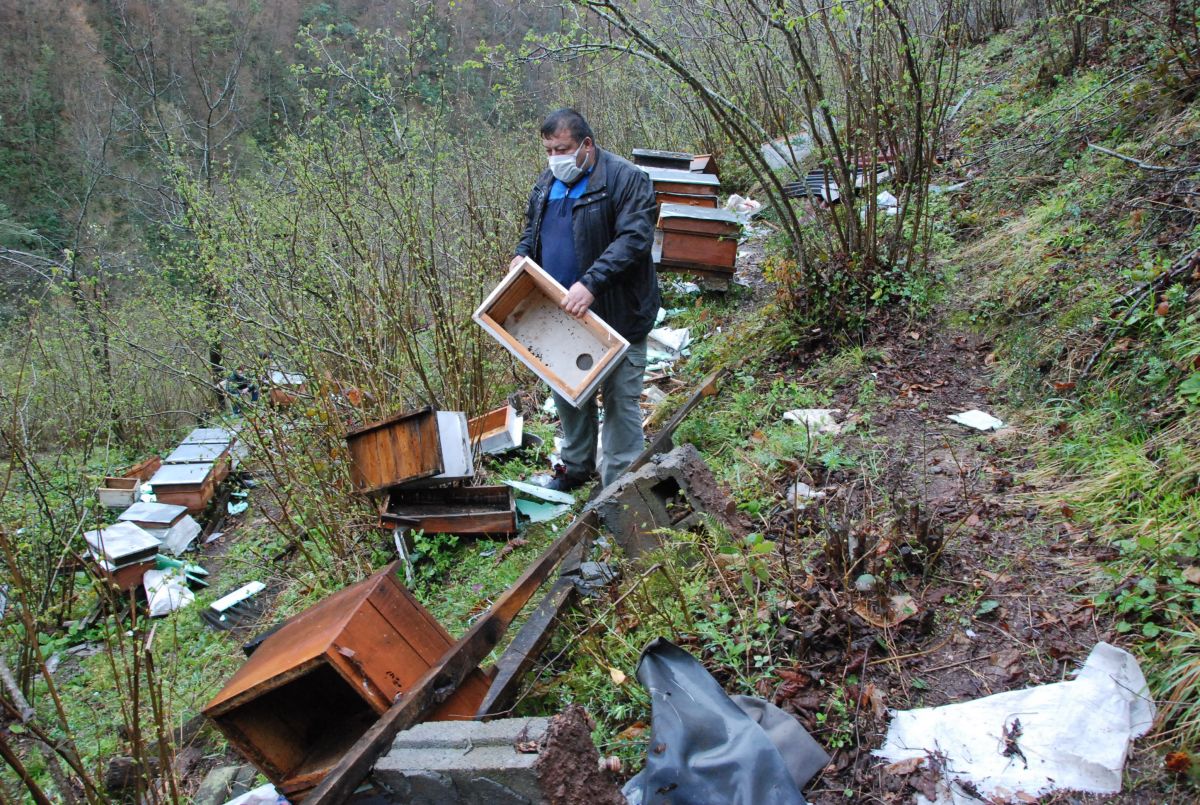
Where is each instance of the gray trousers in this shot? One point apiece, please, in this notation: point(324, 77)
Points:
point(623, 438)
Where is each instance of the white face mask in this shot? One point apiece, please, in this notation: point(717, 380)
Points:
point(564, 168)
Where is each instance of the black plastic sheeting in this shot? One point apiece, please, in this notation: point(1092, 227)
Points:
point(708, 749)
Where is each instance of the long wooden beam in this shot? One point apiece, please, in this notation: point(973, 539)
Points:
point(443, 679)
point(662, 440)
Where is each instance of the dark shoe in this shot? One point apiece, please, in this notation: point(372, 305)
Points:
point(566, 482)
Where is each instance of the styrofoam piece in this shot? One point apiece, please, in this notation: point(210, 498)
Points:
point(979, 420)
point(539, 512)
point(1075, 735)
point(178, 537)
point(119, 541)
point(818, 420)
point(541, 492)
point(237, 596)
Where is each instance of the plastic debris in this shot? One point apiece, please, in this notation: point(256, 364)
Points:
point(179, 537)
point(192, 573)
point(743, 208)
point(665, 345)
point(538, 512)
point(541, 492)
point(817, 420)
point(888, 203)
point(682, 287)
point(230, 610)
point(1069, 736)
point(237, 508)
point(549, 406)
point(979, 420)
point(800, 495)
point(263, 795)
point(167, 591)
point(785, 151)
point(708, 747)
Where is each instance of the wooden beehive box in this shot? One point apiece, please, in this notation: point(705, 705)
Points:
point(695, 237)
point(117, 493)
point(684, 187)
point(215, 454)
point(497, 431)
point(318, 683)
point(572, 355)
point(482, 511)
point(705, 163)
point(144, 470)
point(415, 446)
point(651, 158)
point(189, 485)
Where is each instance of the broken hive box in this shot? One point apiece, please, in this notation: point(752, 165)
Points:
point(675, 490)
point(497, 431)
point(481, 511)
point(313, 687)
point(694, 238)
point(422, 446)
point(572, 355)
point(705, 163)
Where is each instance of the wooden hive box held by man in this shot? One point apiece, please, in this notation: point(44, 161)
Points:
point(313, 687)
point(572, 355)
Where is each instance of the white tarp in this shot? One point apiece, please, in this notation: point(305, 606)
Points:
point(1074, 735)
point(167, 591)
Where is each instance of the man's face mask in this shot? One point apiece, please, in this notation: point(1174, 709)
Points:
point(564, 167)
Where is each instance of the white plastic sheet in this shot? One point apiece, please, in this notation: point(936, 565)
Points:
point(1074, 735)
point(167, 591)
point(979, 420)
point(818, 420)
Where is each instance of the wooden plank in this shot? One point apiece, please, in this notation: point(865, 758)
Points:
point(525, 648)
point(442, 679)
point(662, 440)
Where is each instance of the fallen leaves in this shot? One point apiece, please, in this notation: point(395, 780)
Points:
point(900, 608)
point(617, 675)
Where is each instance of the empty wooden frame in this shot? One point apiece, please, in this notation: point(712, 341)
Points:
point(572, 355)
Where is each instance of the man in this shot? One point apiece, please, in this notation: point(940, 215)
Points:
point(590, 224)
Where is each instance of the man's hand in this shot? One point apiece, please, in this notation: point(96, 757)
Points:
point(513, 262)
point(578, 300)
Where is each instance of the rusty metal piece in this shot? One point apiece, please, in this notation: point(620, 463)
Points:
point(485, 511)
point(317, 684)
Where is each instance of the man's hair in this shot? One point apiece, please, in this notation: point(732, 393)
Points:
point(567, 120)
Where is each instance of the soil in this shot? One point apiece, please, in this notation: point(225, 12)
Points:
point(997, 573)
point(568, 764)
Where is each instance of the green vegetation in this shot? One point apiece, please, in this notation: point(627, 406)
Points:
point(187, 188)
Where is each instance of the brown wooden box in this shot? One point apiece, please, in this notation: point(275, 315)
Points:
point(497, 431)
point(709, 202)
point(651, 158)
point(117, 493)
point(190, 485)
point(697, 237)
point(683, 182)
point(572, 355)
point(412, 446)
point(484, 511)
point(705, 163)
point(318, 683)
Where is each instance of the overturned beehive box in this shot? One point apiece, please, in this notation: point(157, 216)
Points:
point(572, 355)
point(692, 238)
point(313, 687)
point(497, 431)
point(480, 511)
point(422, 446)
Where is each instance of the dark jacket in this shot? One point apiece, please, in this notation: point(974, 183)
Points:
point(613, 222)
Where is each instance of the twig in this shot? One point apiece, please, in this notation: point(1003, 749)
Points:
point(1146, 166)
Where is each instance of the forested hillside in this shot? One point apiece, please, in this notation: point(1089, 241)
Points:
point(263, 188)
